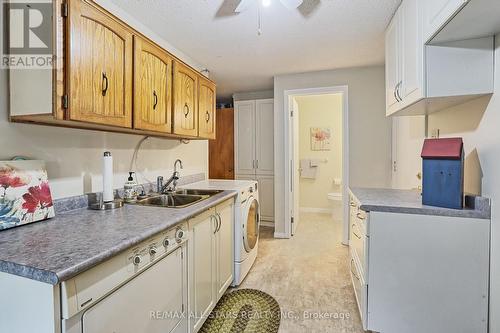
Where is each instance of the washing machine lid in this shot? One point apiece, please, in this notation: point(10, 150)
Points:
point(251, 224)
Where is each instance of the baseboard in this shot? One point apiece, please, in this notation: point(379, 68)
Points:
point(267, 224)
point(280, 235)
point(315, 210)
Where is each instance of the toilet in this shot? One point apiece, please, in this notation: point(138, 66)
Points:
point(335, 199)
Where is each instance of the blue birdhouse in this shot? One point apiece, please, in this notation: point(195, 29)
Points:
point(443, 173)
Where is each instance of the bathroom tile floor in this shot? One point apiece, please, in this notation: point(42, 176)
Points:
point(309, 277)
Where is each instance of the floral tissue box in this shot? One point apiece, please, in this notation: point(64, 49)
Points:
point(24, 193)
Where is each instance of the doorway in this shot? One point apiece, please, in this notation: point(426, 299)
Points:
point(318, 155)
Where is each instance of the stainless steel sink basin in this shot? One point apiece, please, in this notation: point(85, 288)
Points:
point(172, 200)
point(177, 199)
point(198, 192)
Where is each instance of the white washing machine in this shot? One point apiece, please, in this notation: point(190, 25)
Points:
point(247, 221)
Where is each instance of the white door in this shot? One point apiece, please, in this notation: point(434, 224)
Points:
point(412, 58)
point(392, 63)
point(244, 140)
point(295, 166)
point(264, 128)
point(266, 197)
point(224, 240)
point(408, 134)
point(202, 265)
point(127, 310)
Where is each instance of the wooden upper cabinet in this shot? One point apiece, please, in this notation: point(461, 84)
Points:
point(100, 67)
point(206, 108)
point(152, 87)
point(185, 100)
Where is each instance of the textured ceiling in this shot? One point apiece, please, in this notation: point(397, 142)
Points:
point(339, 33)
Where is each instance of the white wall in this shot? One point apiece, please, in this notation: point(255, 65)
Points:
point(74, 156)
point(478, 122)
point(320, 111)
point(369, 130)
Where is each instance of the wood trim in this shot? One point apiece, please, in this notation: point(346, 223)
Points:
point(49, 120)
point(59, 75)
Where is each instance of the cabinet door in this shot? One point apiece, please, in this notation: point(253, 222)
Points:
point(206, 109)
point(412, 58)
point(264, 143)
point(392, 63)
point(185, 100)
point(202, 264)
point(437, 13)
point(266, 197)
point(100, 67)
point(224, 245)
point(244, 137)
point(153, 87)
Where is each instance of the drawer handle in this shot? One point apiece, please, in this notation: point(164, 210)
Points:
point(354, 272)
point(105, 84)
point(186, 110)
point(84, 304)
point(354, 233)
point(361, 217)
point(155, 96)
point(352, 204)
point(207, 116)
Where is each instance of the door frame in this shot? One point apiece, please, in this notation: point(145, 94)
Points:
point(290, 163)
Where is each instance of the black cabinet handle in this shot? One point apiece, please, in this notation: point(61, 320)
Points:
point(155, 103)
point(207, 117)
point(186, 110)
point(105, 84)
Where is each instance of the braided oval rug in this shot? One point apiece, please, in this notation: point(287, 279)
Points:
point(244, 311)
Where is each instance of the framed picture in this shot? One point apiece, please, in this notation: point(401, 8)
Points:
point(25, 195)
point(320, 138)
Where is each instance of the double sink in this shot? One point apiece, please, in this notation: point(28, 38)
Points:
point(177, 199)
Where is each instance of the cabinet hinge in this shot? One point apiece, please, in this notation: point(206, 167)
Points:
point(291, 113)
point(64, 9)
point(65, 101)
point(182, 308)
point(291, 219)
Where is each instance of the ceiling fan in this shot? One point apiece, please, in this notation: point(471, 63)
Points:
point(234, 7)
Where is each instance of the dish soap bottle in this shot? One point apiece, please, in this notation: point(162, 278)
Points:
point(130, 194)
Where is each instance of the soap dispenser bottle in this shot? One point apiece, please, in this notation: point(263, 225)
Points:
point(130, 194)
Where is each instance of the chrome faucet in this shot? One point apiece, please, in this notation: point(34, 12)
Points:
point(162, 188)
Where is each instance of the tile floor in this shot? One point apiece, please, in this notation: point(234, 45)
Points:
point(308, 275)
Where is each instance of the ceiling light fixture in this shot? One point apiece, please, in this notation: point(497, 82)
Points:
point(266, 3)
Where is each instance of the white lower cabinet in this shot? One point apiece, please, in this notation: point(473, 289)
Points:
point(210, 260)
point(416, 273)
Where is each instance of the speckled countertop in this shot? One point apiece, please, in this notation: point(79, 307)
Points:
point(58, 249)
point(410, 202)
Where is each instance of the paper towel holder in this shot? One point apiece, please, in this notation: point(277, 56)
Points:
point(101, 205)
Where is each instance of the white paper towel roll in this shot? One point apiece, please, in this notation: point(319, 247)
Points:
point(107, 177)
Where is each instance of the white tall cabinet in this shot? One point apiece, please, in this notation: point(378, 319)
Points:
point(254, 149)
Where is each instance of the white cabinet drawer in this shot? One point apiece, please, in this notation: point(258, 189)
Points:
point(360, 290)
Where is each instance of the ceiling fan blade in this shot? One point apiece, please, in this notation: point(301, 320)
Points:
point(243, 5)
point(308, 7)
point(292, 4)
point(227, 8)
